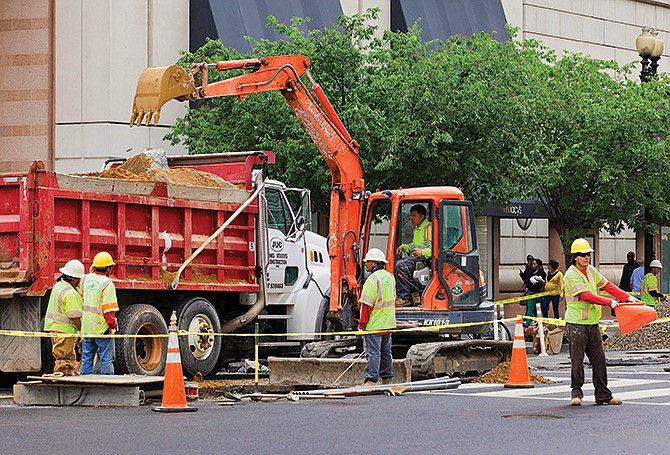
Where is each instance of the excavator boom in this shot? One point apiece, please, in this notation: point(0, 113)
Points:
point(158, 85)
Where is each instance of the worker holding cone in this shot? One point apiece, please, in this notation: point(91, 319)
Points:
point(518, 370)
point(174, 393)
point(583, 311)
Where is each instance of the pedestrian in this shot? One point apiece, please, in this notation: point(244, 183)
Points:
point(64, 317)
point(377, 315)
point(99, 315)
point(627, 271)
point(636, 277)
point(525, 273)
point(649, 288)
point(536, 280)
point(554, 283)
point(583, 311)
point(420, 249)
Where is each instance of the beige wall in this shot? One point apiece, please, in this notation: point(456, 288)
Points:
point(26, 66)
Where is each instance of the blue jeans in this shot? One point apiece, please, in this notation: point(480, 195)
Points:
point(554, 299)
point(105, 350)
point(378, 354)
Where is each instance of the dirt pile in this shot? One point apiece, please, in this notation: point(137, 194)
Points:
point(500, 375)
point(650, 337)
point(150, 166)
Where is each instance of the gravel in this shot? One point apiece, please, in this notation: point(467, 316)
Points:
point(500, 375)
point(654, 336)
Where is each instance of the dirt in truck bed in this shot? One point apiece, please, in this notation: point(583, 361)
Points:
point(145, 167)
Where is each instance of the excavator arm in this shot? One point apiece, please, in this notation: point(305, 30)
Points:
point(158, 85)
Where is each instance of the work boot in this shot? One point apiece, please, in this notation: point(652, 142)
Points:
point(612, 401)
point(576, 401)
point(386, 381)
point(400, 302)
point(368, 382)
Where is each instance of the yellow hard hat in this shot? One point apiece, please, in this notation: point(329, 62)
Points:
point(103, 259)
point(580, 246)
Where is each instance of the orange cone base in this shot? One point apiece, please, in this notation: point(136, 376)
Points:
point(167, 409)
point(519, 386)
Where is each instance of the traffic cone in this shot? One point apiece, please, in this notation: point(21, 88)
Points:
point(174, 394)
point(632, 317)
point(518, 369)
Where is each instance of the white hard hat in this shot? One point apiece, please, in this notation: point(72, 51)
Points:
point(73, 268)
point(656, 263)
point(375, 255)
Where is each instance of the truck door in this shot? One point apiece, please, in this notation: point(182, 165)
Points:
point(458, 259)
point(286, 250)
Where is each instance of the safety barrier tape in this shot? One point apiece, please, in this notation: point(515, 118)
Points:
point(436, 328)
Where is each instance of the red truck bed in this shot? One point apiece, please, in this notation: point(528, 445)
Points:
point(47, 219)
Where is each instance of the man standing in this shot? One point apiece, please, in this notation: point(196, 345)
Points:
point(636, 277)
point(377, 315)
point(627, 271)
point(64, 316)
point(420, 248)
point(649, 288)
point(99, 318)
point(584, 308)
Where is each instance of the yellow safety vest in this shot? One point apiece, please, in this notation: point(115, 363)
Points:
point(379, 293)
point(422, 238)
point(99, 298)
point(64, 303)
point(649, 283)
point(578, 311)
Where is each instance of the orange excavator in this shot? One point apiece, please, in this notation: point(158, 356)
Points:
point(448, 290)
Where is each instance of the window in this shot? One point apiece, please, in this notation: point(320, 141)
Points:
point(279, 217)
point(456, 218)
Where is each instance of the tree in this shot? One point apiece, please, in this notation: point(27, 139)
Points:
point(500, 120)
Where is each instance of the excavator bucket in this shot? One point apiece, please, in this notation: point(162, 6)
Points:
point(156, 86)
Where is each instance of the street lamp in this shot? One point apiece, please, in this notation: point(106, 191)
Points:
point(650, 47)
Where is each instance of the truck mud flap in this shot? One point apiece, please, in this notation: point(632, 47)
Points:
point(457, 358)
point(20, 354)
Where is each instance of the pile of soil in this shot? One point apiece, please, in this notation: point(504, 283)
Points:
point(651, 337)
point(500, 375)
point(150, 167)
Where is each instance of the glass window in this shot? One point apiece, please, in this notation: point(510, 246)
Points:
point(278, 215)
point(455, 221)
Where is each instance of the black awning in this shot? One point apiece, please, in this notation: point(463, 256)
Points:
point(232, 20)
point(440, 19)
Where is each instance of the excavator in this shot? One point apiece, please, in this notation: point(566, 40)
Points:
point(449, 324)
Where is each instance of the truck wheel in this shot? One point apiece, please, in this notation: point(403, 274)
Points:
point(199, 353)
point(144, 356)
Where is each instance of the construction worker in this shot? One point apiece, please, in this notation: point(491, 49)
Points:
point(98, 315)
point(649, 288)
point(64, 316)
point(583, 311)
point(419, 249)
point(377, 314)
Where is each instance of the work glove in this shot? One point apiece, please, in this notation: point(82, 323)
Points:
point(361, 326)
point(633, 300)
point(614, 304)
point(110, 318)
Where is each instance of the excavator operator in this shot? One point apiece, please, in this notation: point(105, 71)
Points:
point(418, 250)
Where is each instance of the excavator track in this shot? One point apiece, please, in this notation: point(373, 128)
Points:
point(457, 358)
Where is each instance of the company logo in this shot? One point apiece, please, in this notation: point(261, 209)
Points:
point(458, 288)
point(276, 244)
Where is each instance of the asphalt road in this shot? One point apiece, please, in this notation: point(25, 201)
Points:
point(473, 419)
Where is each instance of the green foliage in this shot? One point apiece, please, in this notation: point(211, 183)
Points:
point(500, 120)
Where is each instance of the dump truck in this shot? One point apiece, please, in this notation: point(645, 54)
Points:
point(449, 291)
point(266, 266)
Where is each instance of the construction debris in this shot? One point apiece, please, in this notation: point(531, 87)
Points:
point(500, 375)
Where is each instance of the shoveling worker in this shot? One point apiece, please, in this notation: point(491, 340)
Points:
point(64, 317)
point(583, 311)
point(377, 315)
point(649, 288)
point(419, 249)
point(98, 315)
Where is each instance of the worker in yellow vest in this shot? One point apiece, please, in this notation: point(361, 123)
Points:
point(377, 315)
point(649, 288)
point(64, 317)
point(420, 249)
point(583, 311)
point(98, 315)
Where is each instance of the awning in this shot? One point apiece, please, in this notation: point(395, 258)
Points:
point(232, 20)
point(444, 18)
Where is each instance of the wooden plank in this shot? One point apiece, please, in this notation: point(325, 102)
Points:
point(27, 394)
point(99, 185)
point(101, 379)
point(202, 193)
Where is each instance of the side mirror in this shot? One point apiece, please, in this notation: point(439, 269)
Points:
point(300, 222)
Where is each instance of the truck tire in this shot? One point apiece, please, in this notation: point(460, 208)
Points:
point(145, 356)
point(199, 353)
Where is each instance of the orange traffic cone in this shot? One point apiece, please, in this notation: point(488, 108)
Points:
point(632, 317)
point(518, 369)
point(174, 394)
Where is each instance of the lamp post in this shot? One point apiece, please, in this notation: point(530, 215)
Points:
point(650, 47)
